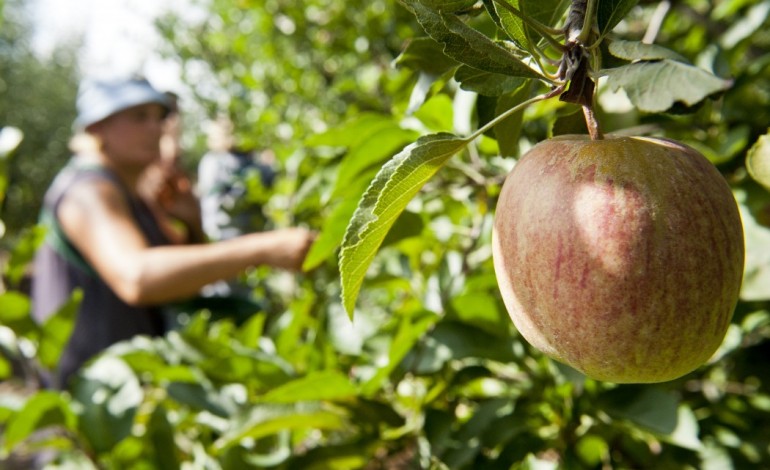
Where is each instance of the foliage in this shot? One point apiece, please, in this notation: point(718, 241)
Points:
point(37, 95)
point(429, 372)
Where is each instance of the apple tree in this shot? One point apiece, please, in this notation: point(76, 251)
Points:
point(395, 125)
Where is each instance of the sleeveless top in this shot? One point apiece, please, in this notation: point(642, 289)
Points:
point(103, 319)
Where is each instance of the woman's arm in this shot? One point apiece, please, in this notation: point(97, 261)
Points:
point(97, 220)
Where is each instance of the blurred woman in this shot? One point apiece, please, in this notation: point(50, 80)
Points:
point(106, 241)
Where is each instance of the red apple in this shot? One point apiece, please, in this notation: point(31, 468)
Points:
point(621, 257)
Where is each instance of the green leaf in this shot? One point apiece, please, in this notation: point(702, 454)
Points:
point(269, 419)
point(379, 146)
point(45, 408)
point(316, 386)
point(756, 276)
point(56, 331)
point(611, 12)
point(14, 307)
point(637, 50)
point(648, 406)
point(332, 233)
point(456, 340)
point(160, 433)
point(450, 6)
point(110, 395)
point(467, 45)
point(425, 55)
point(23, 252)
point(199, 396)
point(486, 83)
point(351, 133)
point(508, 131)
point(546, 12)
point(656, 86)
point(686, 432)
point(392, 189)
point(409, 332)
point(758, 161)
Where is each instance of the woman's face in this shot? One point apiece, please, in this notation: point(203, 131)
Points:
point(132, 137)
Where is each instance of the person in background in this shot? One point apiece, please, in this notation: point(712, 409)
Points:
point(226, 174)
point(104, 240)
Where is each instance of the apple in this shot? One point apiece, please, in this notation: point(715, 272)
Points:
point(621, 257)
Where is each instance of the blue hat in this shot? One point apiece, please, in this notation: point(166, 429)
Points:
point(98, 100)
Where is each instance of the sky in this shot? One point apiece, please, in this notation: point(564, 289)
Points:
point(119, 37)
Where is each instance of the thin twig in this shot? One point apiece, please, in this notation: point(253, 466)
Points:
point(656, 22)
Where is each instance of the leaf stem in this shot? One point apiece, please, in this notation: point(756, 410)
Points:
point(511, 111)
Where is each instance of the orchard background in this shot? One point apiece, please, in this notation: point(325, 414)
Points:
point(422, 367)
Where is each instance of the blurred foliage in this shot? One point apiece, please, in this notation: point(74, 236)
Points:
point(37, 95)
point(430, 373)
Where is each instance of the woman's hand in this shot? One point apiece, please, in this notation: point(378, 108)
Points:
point(169, 192)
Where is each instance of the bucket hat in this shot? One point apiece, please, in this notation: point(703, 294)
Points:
point(100, 99)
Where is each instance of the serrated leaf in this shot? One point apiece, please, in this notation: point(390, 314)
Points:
point(758, 161)
point(546, 12)
point(467, 45)
point(387, 196)
point(656, 86)
point(485, 83)
point(610, 12)
point(637, 50)
point(332, 234)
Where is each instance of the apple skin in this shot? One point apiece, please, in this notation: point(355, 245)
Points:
point(620, 257)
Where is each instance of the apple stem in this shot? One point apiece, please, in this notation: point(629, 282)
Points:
point(594, 130)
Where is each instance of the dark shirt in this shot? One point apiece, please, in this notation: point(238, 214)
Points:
point(103, 319)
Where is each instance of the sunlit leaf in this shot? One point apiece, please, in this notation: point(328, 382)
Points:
point(756, 275)
point(44, 409)
point(392, 189)
point(269, 419)
point(758, 161)
point(686, 432)
point(324, 385)
point(110, 395)
point(657, 86)
point(14, 307)
point(373, 151)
